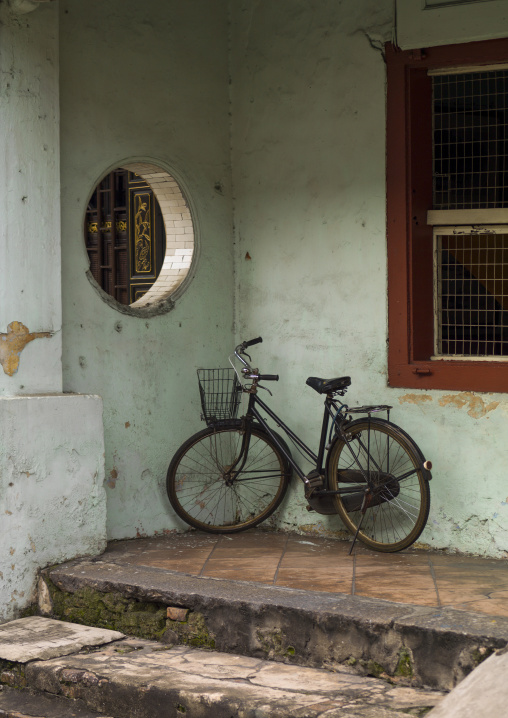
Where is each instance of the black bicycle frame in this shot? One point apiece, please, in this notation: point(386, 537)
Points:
point(318, 460)
point(253, 413)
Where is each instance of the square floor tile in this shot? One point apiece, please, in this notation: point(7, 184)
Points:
point(323, 564)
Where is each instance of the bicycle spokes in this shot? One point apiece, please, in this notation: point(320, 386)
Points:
point(212, 489)
point(394, 494)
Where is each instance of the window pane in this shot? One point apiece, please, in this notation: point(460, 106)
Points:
point(472, 295)
point(470, 140)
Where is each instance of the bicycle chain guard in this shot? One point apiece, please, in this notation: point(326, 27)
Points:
point(314, 480)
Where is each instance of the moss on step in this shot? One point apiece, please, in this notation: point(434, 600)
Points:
point(116, 612)
point(32, 610)
point(478, 655)
point(404, 667)
point(193, 631)
point(12, 674)
point(275, 645)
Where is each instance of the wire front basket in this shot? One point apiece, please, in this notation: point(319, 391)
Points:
point(220, 393)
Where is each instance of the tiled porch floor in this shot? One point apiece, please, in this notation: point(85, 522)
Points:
point(426, 578)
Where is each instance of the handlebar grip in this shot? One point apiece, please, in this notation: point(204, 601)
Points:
point(269, 377)
point(257, 340)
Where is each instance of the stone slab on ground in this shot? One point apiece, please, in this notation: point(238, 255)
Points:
point(35, 637)
point(483, 693)
point(437, 646)
point(136, 678)
point(18, 704)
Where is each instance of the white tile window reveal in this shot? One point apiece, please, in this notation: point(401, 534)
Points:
point(139, 235)
point(179, 229)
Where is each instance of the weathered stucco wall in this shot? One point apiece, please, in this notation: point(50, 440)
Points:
point(29, 203)
point(145, 81)
point(52, 501)
point(308, 144)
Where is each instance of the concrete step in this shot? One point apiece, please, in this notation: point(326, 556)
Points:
point(426, 646)
point(483, 693)
point(137, 678)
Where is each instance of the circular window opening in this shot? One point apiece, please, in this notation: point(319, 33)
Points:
point(139, 234)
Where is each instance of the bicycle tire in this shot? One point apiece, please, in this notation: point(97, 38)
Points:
point(197, 475)
point(400, 505)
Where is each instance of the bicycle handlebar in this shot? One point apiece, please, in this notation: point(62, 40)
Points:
point(252, 374)
point(257, 340)
point(248, 372)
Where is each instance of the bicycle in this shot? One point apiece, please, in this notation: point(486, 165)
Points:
point(234, 474)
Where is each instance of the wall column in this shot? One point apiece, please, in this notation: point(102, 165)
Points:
point(30, 284)
point(52, 501)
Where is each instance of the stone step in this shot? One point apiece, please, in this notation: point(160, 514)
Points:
point(138, 678)
point(25, 704)
point(434, 647)
point(36, 639)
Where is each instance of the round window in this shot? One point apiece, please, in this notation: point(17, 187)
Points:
point(139, 234)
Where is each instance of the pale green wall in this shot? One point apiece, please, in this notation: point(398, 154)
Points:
point(309, 184)
point(145, 80)
point(307, 102)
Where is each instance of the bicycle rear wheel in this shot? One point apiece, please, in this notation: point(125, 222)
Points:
point(397, 508)
point(207, 495)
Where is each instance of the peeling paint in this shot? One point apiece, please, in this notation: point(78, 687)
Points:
point(55, 510)
point(113, 476)
point(12, 344)
point(318, 529)
point(414, 398)
point(477, 407)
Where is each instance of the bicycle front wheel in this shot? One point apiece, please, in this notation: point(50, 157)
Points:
point(396, 506)
point(208, 495)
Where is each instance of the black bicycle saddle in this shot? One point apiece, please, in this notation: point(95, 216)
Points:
point(325, 386)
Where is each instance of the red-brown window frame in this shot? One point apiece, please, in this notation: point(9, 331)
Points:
point(410, 245)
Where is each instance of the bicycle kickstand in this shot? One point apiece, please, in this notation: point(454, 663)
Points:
point(363, 509)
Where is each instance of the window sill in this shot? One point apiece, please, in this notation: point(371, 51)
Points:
point(453, 375)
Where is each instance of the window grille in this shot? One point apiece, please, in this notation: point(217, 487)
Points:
point(470, 133)
point(471, 292)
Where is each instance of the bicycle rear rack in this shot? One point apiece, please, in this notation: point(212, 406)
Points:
point(370, 409)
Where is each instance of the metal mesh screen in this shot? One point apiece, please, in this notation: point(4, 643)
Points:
point(470, 140)
point(472, 295)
